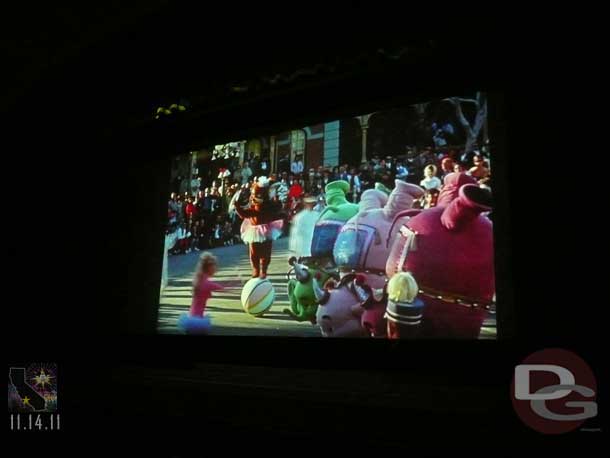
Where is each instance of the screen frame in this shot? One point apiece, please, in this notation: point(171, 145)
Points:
point(139, 319)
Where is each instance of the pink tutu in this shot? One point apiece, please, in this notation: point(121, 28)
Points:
point(251, 233)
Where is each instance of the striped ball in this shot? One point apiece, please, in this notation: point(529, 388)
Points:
point(257, 296)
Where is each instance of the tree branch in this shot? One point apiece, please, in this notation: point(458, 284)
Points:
point(455, 100)
point(480, 119)
point(460, 115)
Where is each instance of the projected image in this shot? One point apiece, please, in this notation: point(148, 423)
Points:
point(373, 226)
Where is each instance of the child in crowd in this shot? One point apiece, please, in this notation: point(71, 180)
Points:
point(431, 180)
point(430, 198)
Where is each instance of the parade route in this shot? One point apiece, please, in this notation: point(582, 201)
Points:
point(224, 308)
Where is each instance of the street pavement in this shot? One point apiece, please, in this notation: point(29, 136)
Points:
point(224, 308)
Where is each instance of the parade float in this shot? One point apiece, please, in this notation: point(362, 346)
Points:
point(449, 251)
point(318, 260)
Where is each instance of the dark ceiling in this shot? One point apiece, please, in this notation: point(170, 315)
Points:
point(155, 51)
point(242, 69)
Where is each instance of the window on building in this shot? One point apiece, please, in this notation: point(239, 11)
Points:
point(297, 143)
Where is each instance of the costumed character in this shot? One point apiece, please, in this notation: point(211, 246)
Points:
point(364, 243)
point(404, 310)
point(303, 304)
point(314, 251)
point(451, 187)
point(449, 251)
point(195, 322)
point(340, 307)
point(261, 225)
point(302, 227)
point(336, 213)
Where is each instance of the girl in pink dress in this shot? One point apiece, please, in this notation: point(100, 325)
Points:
point(195, 322)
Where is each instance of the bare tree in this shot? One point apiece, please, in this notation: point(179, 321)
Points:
point(472, 130)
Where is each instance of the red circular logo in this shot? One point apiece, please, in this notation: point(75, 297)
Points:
point(554, 391)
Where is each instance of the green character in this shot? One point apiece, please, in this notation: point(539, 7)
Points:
point(303, 304)
point(337, 206)
point(338, 211)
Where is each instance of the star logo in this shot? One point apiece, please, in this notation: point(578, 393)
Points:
point(26, 402)
point(42, 379)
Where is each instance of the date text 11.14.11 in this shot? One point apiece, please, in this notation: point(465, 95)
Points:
point(34, 422)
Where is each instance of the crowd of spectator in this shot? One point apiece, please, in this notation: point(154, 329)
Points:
point(205, 218)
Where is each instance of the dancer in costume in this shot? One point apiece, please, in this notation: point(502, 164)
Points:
point(261, 226)
point(195, 322)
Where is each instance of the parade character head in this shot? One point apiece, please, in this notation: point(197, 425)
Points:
point(451, 186)
point(260, 192)
point(404, 311)
point(332, 218)
point(364, 242)
point(339, 309)
point(335, 193)
point(372, 199)
point(449, 250)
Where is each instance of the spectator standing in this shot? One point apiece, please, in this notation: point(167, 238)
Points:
point(295, 191)
point(184, 237)
point(246, 173)
point(179, 209)
point(446, 167)
point(215, 201)
point(366, 177)
point(459, 167)
point(237, 175)
point(254, 165)
point(264, 167)
point(430, 181)
point(354, 185)
point(297, 166)
point(401, 172)
point(479, 170)
point(189, 209)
